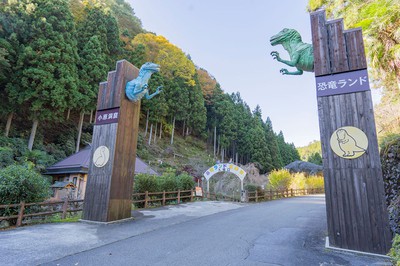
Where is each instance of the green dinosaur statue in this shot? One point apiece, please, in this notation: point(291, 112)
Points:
point(301, 54)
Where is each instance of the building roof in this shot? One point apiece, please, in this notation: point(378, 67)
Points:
point(78, 163)
point(63, 184)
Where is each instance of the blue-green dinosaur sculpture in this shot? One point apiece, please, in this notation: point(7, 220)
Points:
point(301, 54)
point(137, 88)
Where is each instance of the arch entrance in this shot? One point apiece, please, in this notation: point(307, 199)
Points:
point(225, 167)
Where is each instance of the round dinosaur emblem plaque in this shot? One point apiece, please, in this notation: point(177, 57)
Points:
point(101, 156)
point(349, 142)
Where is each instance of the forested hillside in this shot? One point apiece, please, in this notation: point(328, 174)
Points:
point(53, 54)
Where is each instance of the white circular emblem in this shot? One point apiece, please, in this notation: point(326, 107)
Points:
point(349, 142)
point(101, 156)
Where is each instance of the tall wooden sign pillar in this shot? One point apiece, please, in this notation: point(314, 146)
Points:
point(112, 163)
point(356, 210)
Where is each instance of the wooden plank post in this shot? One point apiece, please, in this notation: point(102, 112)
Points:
point(64, 209)
point(356, 211)
point(179, 196)
point(21, 213)
point(146, 199)
point(112, 162)
point(163, 198)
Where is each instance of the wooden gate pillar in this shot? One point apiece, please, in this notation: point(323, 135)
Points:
point(109, 188)
point(355, 203)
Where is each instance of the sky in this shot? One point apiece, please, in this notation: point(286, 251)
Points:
point(230, 39)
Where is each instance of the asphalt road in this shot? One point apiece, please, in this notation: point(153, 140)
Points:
point(282, 232)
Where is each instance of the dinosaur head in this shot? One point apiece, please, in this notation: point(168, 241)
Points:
point(285, 35)
point(341, 134)
point(150, 67)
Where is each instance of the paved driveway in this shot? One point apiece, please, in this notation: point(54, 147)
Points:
point(282, 232)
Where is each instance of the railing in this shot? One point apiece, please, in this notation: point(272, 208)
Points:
point(40, 209)
point(162, 198)
point(277, 194)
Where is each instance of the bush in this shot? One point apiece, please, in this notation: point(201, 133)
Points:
point(298, 181)
point(39, 158)
point(146, 182)
point(279, 179)
point(251, 187)
point(185, 181)
point(168, 181)
point(315, 182)
point(394, 252)
point(22, 183)
point(6, 156)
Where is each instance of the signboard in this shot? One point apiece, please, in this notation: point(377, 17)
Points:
point(199, 191)
point(346, 82)
point(225, 167)
point(349, 142)
point(107, 116)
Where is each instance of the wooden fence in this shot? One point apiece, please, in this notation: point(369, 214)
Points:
point(147, 199)
point(144, 200)
point(277, 194)
point(39, 209)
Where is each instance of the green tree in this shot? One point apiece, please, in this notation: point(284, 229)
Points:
point(315, 158)
point(197, 114)
point(47, 78)
point(22, 183)
point(273, 145)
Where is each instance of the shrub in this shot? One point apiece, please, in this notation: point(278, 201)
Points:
point(6, 156)
point(168, 181)
point(39, 158)
point(314, 182)
point(394, 252)
point(146, 182)
point(279, 179)
point(22, 183)
point(298, 181)
point(185, 181)
point(251, 187)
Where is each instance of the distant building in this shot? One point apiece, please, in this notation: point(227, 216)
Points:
point(69, 176)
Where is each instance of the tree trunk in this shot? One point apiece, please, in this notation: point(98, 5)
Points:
point(68, 113)
point(173, 129)
point(155, 134)
point(237, 158)
point(160, 130)
point(222, 155)
point(91, 116)
point(8, 125)
point(78, 140)
point(33, 134)
point(187, 131)
point(183, 128)
point(218, 145)
point(151, 133)
point(215, 141)
point(147, 122)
